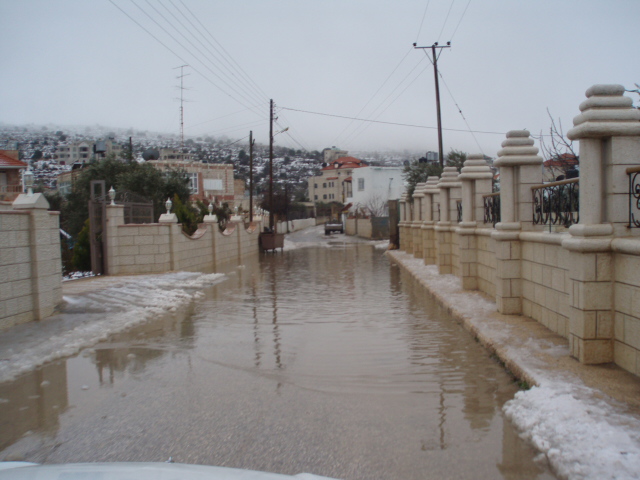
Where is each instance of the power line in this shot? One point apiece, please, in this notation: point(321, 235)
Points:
point(388, 123)
point(179, 56)
point(460, 21)
point(445, 19)
point(423, 17)
point(374, 95)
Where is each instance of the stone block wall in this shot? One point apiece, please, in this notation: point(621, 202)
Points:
point(163, 247)
point(626, 316)
point(30, 265)
point(546, 281)
point(486, 257)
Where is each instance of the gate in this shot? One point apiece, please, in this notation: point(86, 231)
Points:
point(97, 226)
point(137, 210)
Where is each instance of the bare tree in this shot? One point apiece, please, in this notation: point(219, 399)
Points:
point(560, 158)
point(375, 205)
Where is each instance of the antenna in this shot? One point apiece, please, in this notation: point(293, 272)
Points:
point(182, 89)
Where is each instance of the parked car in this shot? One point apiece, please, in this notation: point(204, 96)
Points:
point(333, 226)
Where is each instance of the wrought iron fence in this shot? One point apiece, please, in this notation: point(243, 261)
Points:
point(491, 204)
point(556, 203)
point(634, 197)
point(137, 209)
point(459, 208)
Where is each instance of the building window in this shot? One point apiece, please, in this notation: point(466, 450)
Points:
point(315, 185)
point(193, 182)
point(324, 185)
point(315, 197)
point(324, 197)
point(360, 184)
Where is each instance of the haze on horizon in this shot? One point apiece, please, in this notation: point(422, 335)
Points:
point(113, 63)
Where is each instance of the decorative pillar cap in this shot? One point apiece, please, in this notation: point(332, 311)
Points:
point(431, 186)
point(606, 113)
point(449, 178)
point(475, 168)
point(518, 150)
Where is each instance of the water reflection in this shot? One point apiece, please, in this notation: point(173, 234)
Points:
point(33, 402)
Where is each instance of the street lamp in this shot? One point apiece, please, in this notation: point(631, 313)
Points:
point(112, 195)
point(27, 177)
point(168, 204)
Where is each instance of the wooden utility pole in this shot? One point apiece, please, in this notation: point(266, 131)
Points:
point(250, 176)
point(434, 61)
point(271, 219)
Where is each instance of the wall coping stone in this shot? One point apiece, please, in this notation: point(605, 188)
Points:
point(25, 201)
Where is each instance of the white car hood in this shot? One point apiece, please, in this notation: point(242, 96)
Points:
point(136, 471)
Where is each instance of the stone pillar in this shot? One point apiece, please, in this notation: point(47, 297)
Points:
point(443, 230)
point(430, 191)
point(520, 168)
point(115, 217)
point(211, 221)
point(475, 175)
point(44, 244)
point(609, 133)
point(416, 225)
point(402, 223)
point(174, 230)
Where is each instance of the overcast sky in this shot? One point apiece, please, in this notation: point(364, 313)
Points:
point(80, 62)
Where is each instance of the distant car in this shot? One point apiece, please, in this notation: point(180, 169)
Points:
point(333, 226)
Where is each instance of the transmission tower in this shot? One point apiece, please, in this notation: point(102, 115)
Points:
point(182, 89)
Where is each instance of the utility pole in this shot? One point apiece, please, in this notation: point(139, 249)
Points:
point(130, 150)
point(251, 142)
point(434, 61)
point(181, 77)
point(271, 219)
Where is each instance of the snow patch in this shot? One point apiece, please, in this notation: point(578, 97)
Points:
point(119, 304)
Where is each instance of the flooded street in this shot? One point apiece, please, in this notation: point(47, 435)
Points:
point(323, 359)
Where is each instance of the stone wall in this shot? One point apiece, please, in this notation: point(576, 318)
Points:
point(162, 247)
point(30, 266)
point(581, 280)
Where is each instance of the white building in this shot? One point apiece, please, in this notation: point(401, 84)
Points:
point(373, 187)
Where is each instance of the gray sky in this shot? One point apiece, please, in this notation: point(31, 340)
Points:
point(80, 62)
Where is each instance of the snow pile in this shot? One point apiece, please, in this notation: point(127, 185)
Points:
point(581, 436)
point(116, 305)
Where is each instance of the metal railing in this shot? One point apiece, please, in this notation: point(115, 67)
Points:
point(556, 203)
point(459, 208)
point(491, 203)
point(634, 197)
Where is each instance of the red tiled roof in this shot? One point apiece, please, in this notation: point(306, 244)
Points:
point(348, 179)
point(345, 162)
point(7, 162)
point(562, 160)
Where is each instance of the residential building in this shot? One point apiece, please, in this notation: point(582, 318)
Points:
point(561, 167)
point(208, 181)
point(174, 155)
point(373, 187)
point(334, 182)
point(85, 151)
point(330, 155)
point(10, 179)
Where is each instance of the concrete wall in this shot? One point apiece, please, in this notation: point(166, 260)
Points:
point(162, 247)
point(30, 266)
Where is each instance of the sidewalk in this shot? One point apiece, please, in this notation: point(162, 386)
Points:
point(584, 418)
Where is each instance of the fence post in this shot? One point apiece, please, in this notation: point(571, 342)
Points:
point(402, 230)
point(416, 225)
point(474, 177)
point(520, 167)
point(115, 217)
point(174, 230)
point(430, 190)
point(44, 245)
point(443, 229)
point(609, 133)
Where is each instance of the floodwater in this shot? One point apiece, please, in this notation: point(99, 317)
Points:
point(324, 359)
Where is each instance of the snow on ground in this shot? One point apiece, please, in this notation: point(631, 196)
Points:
point(583, 433)
point(102, 307)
